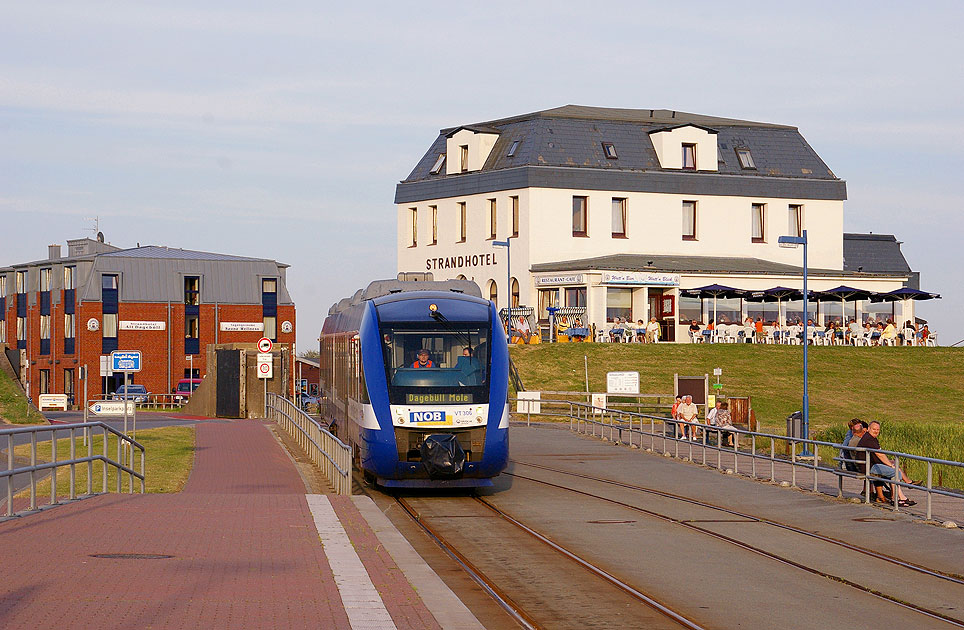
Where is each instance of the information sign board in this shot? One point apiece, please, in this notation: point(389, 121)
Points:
point(264, 345)
point(125, 361)
point(622, 382)
point(598, 403)
point(528, 402)
point(265, 365)
point(111, 408)
point(49, 401)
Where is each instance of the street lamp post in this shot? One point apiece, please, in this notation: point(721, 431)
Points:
point(508, 287)
point(793, 241)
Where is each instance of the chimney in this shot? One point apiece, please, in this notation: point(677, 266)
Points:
point(53, 252)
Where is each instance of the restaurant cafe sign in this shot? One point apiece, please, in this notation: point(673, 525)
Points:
point(640, 278)
point(556, 280)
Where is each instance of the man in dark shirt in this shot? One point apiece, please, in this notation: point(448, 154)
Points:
point(881, 466)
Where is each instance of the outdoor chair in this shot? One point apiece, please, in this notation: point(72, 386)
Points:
point(931, 339)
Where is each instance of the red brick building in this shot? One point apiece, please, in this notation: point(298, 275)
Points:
point(62, 313)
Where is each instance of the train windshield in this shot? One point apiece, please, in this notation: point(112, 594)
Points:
point(437, 363)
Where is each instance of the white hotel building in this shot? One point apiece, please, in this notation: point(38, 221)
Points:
point(618, 210)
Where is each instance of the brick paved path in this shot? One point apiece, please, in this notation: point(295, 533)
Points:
point(245, 552)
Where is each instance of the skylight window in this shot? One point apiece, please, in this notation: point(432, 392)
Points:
point(512, 148)
point(746, 160)
point(610, 150)
point(438, 164)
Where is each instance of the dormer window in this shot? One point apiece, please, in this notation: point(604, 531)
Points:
point(746, 160)
point(689, 156)
point(610, 150)
point(439, 163)
point(464, 158)
point(512, 148)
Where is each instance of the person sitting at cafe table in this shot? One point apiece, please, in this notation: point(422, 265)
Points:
point(652, 331)
point(616, 332)
point(522, 329)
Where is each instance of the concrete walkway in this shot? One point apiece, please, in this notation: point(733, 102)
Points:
point(238, 548)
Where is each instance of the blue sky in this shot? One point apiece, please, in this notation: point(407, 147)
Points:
point(281, 131)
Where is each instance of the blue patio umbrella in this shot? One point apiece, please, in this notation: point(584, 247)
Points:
point(715, 291)
point(776, 294)
point(845, 294)
point(904, 293)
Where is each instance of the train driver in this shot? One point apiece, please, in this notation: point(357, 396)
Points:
point(423, 360)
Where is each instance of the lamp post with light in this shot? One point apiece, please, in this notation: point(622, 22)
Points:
point(793, 241)
point(508, 287)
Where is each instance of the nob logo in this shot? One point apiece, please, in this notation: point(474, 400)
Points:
point(427, 416)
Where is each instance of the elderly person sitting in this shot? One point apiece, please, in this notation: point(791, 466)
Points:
point(688, 412)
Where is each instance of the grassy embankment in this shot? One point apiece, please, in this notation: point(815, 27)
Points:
point(169, 459)
point(915, 393)
point(14, 407)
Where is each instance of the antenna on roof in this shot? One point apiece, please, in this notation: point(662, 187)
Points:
point(96, 228)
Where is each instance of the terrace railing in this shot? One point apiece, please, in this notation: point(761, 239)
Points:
point(329, 453)
point(80, 437)
point(794, 458)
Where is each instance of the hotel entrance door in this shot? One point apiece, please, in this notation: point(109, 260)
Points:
point(662, 306)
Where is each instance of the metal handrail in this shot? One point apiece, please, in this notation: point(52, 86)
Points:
point(126, 447)
point(329, 453)
point(579, 413)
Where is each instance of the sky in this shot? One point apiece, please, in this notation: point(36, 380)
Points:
point(279, 130)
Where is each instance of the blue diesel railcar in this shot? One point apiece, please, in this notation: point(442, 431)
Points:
point(439, 422)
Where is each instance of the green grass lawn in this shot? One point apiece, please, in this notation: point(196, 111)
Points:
point(13, 404)
point(169, 459)
point(915, 393)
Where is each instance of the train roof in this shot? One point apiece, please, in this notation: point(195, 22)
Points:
point(388, 288)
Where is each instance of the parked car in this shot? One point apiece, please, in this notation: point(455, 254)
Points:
point(185, 387)
point(137, 393)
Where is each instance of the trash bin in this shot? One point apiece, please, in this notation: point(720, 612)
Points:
point(795, 424)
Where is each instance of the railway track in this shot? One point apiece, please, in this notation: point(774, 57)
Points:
point(948, 581)
point(537, 581)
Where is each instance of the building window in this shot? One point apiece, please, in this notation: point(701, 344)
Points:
point(44, 381)
point(439, 163)
point(413, 217)
point(463, 231)
point(515, 293)
point(3, 286)
point(21, 329)
point(619, 217)
point(689, 220)
point(70, 326)
point(69, 278)
point(434, 225)
point(576, 296)
point(493, 292)
point(515, 216)
point(21, 282)
point(192, 290)
point(464, 158)
point(271, 327)
point(3, 331)
point(758, 220)
point(192, 327)
point(109, 327)
point(493, 218)
point(269, 285)
point(513, 148)
point(69, 384)
point(109, 281)
point(746, 160)
point(45, 334)
point(619, 303)
point(45, 279)
point(689, 157)
point(580, 216)
point(610, 150)
point(796, 220)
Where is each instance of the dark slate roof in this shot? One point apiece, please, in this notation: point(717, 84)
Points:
point(157, 251)
point(685, 264)
point(572, 136)
point(873, 253)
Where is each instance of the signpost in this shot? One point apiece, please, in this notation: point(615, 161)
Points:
point(265, 367)
point(127, 361)
point(264, 345)
point(622, 382)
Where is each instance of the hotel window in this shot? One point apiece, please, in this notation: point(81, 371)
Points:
point(619, 217)
point(269, 307)
point(493, 218)
point(109, 281)
point(463, 231)
point(69, 384)
point(3, 286)
point(580, 218)
point(271, 327)
point(70, 326)
point(758, 219)
point(493, 292)
point(69, 278)
point(110, 325)
point(45, 334)
point(575, 296)
point(192, 290)
point(796, 220)
point(21, 282)
point(689, 220)
point(413, 215)
point(3, 331)
point(464, 158)
point(44, 381)
point(689, 157)
point(515, 216)
point(434, 225)
point(512, 148)
point(439, 163)
point(619, 303)
point(746, 160)
point(515, 293)
point(21, 329)
point(45, 279)
point(610, 150)
point(192, 327)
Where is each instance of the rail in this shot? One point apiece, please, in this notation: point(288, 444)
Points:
point(82, 433)
point(662, 434)
point(329, 453)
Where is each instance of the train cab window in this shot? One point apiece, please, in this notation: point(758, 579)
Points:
point(455, 370)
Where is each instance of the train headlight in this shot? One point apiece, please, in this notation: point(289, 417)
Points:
point(478, 419)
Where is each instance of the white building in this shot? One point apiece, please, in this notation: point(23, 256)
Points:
point(618, 210)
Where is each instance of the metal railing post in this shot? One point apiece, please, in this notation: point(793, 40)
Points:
point(73, 467)
point(10, 478)
point(773, 459)
point(930, 486)
point(33, 473)
point(793, 463)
